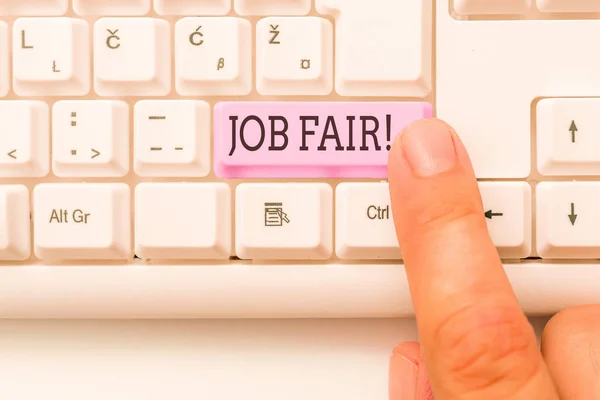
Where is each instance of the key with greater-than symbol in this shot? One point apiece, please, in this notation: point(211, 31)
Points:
point(90, 138)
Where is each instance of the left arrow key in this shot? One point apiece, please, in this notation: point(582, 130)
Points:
point(11, 154)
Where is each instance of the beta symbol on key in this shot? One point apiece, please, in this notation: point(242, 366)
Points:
point(573, 129)
point(490, 214)
point(573, 216)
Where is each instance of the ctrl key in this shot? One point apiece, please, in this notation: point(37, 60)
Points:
point(76, 221)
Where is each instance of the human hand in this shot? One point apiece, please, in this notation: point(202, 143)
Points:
point(475, 341)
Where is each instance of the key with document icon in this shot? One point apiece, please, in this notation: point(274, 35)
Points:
point(274, 215)
point(285, 221)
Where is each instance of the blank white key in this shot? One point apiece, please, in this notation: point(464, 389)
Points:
point(90, 138)
point(82, 221)
point(383, 48)
point(213, 56)
point(472, 7)
point(364, 222)
point(557, 6)
point(568, 136)
point(132, 57)
point(568, 219)
point(111, 7)
point(4, 79)
point(34, 7)
point(172, 138)
point(294, 56)
point(192, 7)
point(15, 232)
point(507, 207)
point(272, 7)
point(183, 221)
point(24, 139)
point(51, 57)
point(287, 221)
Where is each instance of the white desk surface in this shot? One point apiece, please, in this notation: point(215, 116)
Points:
point(202, 359)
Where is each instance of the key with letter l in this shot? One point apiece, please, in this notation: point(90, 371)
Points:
point(309, 140)
point(51, 57)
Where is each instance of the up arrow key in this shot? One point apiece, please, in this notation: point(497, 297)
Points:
point(573, 129)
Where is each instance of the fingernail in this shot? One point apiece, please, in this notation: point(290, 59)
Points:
point(403, 378)
point(429, 147)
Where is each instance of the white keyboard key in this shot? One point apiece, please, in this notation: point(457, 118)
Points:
point(4, 77)
point(560, 6)
point(132, 57)
point(294, 56)
point(15, 224)
point(213, 56)
point(192, 7)
point(568, 220)
point(82, 221)
point(34, 7)
point(183, 221)
point(90, 138)
point(382, 48)
point(51, 57)
point(272, 7)
point(286, 221)
point(172, 138)
point(364, 223)
point(24, 139)
point(111, 7)
point(567, 136)
point(507, 207)
point(483, 7)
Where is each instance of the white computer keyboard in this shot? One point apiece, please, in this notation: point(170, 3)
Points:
point(227, 158)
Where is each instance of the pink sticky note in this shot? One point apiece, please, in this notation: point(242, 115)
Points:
point(309, 139)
